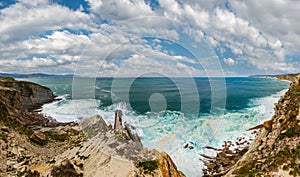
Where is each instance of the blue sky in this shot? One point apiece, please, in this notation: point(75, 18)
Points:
point(134, 37)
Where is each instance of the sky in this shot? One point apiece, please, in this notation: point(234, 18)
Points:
point(138, 37)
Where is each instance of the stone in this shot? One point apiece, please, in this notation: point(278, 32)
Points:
point(267, 124)
point(144, 151)
point(211, 166)
point(186, 146)
point(167, 166)
point(94, 125)
point(283, 131)
point(191, 147)
point(38, 138)
point(5, 129)
point(66, 168)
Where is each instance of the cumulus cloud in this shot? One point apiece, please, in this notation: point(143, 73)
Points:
point(40, 33)
point(229, 61)
point(221, 24)
point(277, 18)
point(29, 18)
point(28, 65)
point(120, 10)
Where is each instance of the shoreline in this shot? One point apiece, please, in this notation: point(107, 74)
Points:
point(68, 127)
point(238, 134)
point(34, 145)
point(250, 160)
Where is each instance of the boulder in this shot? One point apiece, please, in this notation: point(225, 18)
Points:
point(5, 129)
point(38, 138)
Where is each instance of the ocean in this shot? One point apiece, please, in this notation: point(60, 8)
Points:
point(170, 113)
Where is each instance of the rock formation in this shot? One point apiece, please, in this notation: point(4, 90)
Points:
point(27, 138)
point(34, 145)
point(32, 95)
point(113, 153)
point(276, 149)
point(118, 120)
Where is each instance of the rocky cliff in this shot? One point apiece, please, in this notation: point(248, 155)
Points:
point(27, 137)
point(32, 95)
point(276, 149)
point(32, 145)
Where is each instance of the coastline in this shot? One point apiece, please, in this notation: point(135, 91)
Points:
point(274, 151)
point(34, 145)
point(71, 151)
point(259, 108)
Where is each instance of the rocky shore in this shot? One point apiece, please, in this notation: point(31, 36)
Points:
point(34, 145)
point(276, 149)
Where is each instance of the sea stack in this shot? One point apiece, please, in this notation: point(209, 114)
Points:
point(118, 120)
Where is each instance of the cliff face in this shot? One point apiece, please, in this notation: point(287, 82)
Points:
point(32, 95)
point(10, 101)
point(276, 150)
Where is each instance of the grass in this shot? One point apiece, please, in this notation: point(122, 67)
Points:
point(148, 166)
point(290, 133)
point(56, 137)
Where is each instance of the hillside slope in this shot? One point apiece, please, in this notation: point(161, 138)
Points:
point(276, 150)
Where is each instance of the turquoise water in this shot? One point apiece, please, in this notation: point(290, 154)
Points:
point(170, 113)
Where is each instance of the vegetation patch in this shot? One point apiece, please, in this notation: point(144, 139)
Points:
point(246, 170)
point(148, 166)
point(56, 137)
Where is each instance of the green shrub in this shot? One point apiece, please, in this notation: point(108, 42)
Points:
point(148, 166)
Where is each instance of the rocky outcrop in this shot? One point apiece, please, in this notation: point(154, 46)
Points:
point(18, 98)
point(110, 152)
point(32, 95)
point(28, 138)
point(276, 149)
point(118, 120)
point(34, 145)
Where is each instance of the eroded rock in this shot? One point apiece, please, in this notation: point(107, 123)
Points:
point(38, 138)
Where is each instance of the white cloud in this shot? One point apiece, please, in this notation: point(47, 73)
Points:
point(120, 10)
point(29, 63)
point(260, 35)
point(229, 61)
point(201, 18)
point(137, 65)
point(277, 18)
point(29, 18)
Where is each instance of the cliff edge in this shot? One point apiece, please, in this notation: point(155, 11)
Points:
point(32, 95)
point(33, 145)
point(276, 149)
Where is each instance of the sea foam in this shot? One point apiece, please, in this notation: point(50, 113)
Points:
point(170, 131)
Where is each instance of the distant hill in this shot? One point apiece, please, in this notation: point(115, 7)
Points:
point(17, 75)
point(272, 76)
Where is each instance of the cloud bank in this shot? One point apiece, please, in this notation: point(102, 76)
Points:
point(48, 36)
